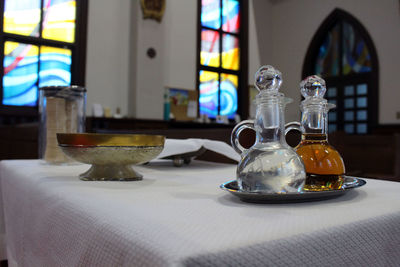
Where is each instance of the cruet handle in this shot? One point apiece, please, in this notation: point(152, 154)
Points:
point(247, 124)
point(293, 125)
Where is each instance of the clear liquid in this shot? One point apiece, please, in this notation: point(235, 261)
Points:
point(271, 170)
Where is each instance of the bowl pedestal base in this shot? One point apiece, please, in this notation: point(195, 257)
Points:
point(111, 173)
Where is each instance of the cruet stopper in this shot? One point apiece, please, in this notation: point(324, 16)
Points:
point(268, 79)
point(313, 89)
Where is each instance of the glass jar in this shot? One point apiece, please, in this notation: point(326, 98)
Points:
point(62, 109)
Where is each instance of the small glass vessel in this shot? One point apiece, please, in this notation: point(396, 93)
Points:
point(61, 110)
point(324, 165)
point(270, 165)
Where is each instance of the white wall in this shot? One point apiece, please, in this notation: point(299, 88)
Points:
point(174, 40)
point(119, 74)
point(108, 49)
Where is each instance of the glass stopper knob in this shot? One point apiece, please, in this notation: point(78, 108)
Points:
point(268, 78)
point(313, 86)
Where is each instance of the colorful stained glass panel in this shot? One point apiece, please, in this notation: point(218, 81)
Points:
point(356, 57)
point(327, 63)
point(211, 14)
point(55, 66)
point(20, 74)
point(209, 54)
point(59, 20)
point(230, 16)
point(22, 17)
point(208, 99)
point(230, 52)
point(229, 85)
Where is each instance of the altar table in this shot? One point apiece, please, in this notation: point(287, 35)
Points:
point(180, 217)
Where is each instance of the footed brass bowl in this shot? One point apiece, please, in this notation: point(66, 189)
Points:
point(111, 155)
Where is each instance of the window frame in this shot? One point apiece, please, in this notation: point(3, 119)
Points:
point(78, 59)
point(370, 78)
point(242, 72)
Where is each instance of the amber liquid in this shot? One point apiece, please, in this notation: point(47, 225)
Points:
point(324, 165)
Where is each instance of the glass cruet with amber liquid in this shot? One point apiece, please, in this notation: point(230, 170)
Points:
point(323, 163)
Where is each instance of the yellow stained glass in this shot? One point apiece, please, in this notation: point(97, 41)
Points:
point(209, 55)
point(230, 52)
point(59, 20)
point(22, 17)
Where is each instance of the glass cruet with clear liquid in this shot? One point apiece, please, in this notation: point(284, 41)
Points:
point(323, 163)
point(270, 165)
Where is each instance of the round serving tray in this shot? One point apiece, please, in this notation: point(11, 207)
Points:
point(304, 196)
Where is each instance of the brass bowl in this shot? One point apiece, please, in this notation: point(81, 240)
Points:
point(111, 155)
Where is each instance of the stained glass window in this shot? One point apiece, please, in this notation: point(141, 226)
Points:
point(229, 85)
point(44, 60)
point(55, 66)
point(327, 63)
point(230, 52)
point(230, 16)
point(219, 69)
point(210, 14)
point(343, 54)
point(210, 48)
point(209, 87)
point(20, 74)
point(59, 20)
point(355, 57)
point(22, 17)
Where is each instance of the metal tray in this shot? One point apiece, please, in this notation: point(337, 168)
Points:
point(304, 196)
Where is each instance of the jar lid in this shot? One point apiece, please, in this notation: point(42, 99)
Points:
point(75, 88)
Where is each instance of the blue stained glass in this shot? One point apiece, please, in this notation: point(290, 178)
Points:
point(55, 67)
point(361, 128)
point(230, 16)
point(362, 102)
point(349, 103)
point(349, 116)
point(211, 14)
point(349, 128)
point(362, 115)
point(362, 89)
point(228, 95)
point(208, 98)
point(327, 62)
point(349, 90)
point(332, 116)
point(332, 92)
point(20, 74)
point(355, 57)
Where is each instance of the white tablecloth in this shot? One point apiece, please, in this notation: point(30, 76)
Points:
point(180, 217)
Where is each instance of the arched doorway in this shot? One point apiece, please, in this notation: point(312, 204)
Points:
point(342, 52)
